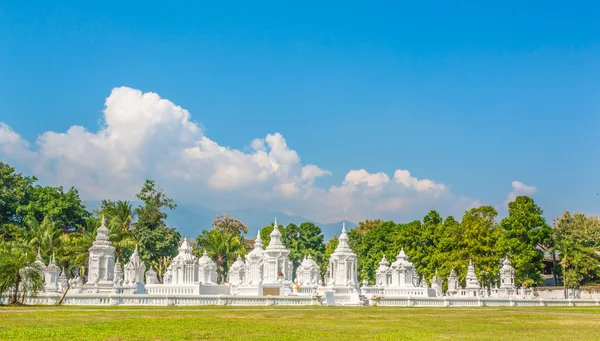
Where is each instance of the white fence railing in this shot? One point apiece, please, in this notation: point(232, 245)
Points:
point(481, 302)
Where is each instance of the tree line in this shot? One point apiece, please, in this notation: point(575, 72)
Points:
point(55, 222)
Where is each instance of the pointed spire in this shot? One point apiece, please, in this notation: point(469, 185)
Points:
point(343, 245)
point(184, 245)
point(275, 230)
point(258, 242)
point(205, 253)
point(275, 242)
point(39, 261)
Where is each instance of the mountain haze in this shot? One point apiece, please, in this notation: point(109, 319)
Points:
point(192, 219)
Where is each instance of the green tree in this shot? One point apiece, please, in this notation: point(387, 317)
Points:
point(74, 245)
point(372, 246)
point(367, 225)
point(154, 238)
point(64, 209)
point(450, 253)
point(44, 237)
point(20, 275)
point(521, 233)
point(303, 240)
point(577, 239)
point(230, 224)
point(480, 234)
point(14, 189)
point(119, 216)
point(222, 246)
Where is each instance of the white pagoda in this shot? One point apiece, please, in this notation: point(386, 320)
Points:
point(265, 271)
point(308, 273)
point(134, 269)
point(472, 285)
point(341, 278)
point(184, 267)
point(341, 271)
point(101, 266)
point(398, 279)
point(207, 270)
point(51, 276)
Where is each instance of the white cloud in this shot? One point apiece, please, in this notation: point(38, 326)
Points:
point(146, 136)
point(403, 177)
point(519, 188)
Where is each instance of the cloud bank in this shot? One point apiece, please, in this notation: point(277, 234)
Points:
point(146, 136)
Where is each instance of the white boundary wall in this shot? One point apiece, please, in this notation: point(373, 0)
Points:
point(479, 302)
point(340, 300)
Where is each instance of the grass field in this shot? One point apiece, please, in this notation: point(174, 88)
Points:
point(310, 323)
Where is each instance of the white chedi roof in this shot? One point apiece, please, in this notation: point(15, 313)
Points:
point(102, 241)
point(185, 255)
point(402, 260)
point(52, 267)
point(134, 261)
point(238, 265)
point(309, 263)
point(343, 247)
point(506, 265)
point(258, 250)
point(276, 243)
point(384, 265)
point(205, 260)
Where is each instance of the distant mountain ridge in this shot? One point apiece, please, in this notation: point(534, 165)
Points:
point(191, 219)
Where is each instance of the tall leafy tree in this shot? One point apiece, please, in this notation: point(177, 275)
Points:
point(14, 189)
point(64, 209)
point(480, 234)
point(450, 253)
point(577, 239)
point(372, 246)
point(521, 235)
point(303, 240)
point(154, 238)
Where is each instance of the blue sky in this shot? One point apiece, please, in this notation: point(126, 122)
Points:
point(470, 95)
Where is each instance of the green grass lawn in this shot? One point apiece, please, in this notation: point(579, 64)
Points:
point(305, 323)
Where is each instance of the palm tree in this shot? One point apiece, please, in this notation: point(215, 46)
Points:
point(124, 214)
point(223, 247)
point(75, 245)
point(44, 236)
point(20, 273)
